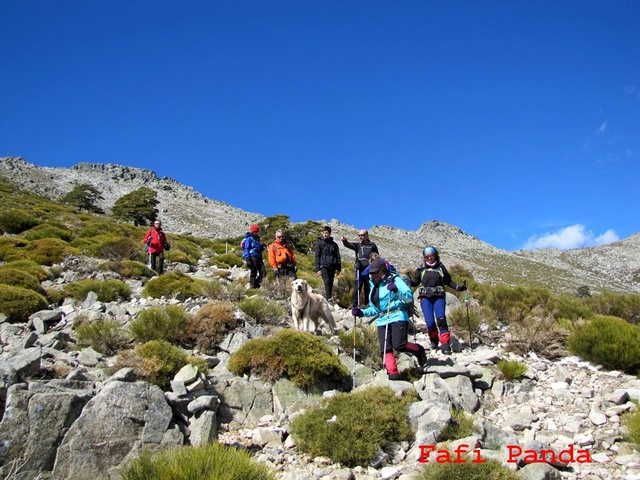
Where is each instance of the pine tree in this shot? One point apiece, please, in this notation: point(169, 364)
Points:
point(138, 206)
point(84, 197)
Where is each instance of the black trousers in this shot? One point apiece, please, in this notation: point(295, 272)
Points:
point(257, 271)
point(361, 290)
point(328, 275)
point(157, 259)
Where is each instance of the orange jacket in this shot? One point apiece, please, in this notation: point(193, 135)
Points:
point(280, 255)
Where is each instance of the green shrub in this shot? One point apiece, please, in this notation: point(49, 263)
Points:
point(214, 461)
point(16, 221)
point(172, 283)
point(235, 290)
point(366, 422)
point(631, 423)
point(262, 310)
point(607, 341)
point(300, 356)
point(511, 369)
point(49, 231)
point(128, 268)
point(104, 336)
point(366, 343)
point(107, 290)
point(160, 323)
point(18, 278)
point(19, 303)
point(468, 470)
point(226, 260)
point(48, 251)
point(621, 305)
point(213, 289)
point(462, 319)
point(210, 324)
point(461, 426)
point(12, 249)
point(514, 304)
point(158, 361)
point(122, 248)
point(27, 266)
point(542, 335)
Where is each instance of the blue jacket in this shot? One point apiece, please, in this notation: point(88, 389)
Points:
point(381, 300)
point(251, 246)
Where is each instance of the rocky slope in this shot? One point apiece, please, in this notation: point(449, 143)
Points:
point(615, 266)
point(64, 416)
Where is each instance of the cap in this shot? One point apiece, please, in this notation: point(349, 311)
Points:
point(430, 250)
point(326, 228)
point(377, 265)
point(254, 228)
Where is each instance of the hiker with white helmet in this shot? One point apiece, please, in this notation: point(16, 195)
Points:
point(432, 276)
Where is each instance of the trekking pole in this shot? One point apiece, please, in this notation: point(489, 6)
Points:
point(466, 302)
point(355, 322)
point(386, 330)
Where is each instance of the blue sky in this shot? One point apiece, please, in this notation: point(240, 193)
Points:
point(516, 121)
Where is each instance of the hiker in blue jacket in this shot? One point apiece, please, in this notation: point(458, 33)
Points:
point(388, 298)
point(432, 276)
point(252, 248)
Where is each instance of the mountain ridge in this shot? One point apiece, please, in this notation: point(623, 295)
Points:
point(614, 266)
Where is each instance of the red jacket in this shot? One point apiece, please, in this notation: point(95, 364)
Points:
point(158, 239)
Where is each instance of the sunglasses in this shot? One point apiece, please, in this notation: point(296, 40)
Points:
point(278, 236)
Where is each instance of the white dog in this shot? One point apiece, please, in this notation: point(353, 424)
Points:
point(307, 307)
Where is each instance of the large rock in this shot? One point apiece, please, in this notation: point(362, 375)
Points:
point(122, 419)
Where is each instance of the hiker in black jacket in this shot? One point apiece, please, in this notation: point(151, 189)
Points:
point(363, 251)
point(328, 262)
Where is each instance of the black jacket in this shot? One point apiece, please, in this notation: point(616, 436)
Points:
point(362, 252)
point(328, 254)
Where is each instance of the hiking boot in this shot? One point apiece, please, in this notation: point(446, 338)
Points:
point(422, 356)
point(394, 376)
point(434, 344)
point(445, 348)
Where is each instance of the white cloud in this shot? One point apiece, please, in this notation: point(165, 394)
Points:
point(603, 127)
point(574, 236)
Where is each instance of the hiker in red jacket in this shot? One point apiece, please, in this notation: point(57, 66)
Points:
point(156, 242)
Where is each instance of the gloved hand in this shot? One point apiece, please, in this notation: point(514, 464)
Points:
point(276, 272)
point(356, 312)
point(392, 287)
point(461, 288)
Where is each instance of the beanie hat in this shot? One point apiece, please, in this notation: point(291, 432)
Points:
point(254, 228)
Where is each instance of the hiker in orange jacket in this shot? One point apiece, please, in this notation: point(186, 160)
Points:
point(281, 258)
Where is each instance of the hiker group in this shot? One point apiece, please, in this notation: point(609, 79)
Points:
point(379, 291)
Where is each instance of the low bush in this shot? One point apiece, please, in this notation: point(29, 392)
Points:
point(18, 278)
point(461, 426)
point(172, 283)
point(158, 361)
point(631, 431)
point(104, 336)
point(366, 344)
point(607, 341)
point(612, 304)
point(48, 251)
point(226, 260)
point(123, 248)
point(19, 303)
point(16, 221)
point(300, 356)
point(511, 369)
point(214, 461)
point(210, 324)
point(366, 422)
point(127, 268)
point(107, 290)
point(467, 470)
point(542, 335)
point(49, 231)
point(160, 323)
point(28, 266)
point(262, 310)
point(213, 289)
